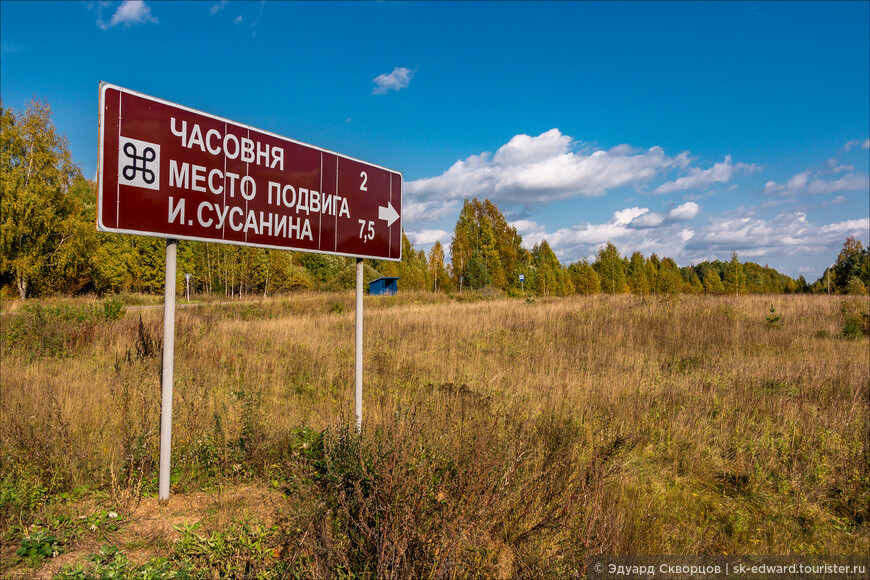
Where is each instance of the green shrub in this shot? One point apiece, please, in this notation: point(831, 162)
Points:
point(773, 319)
point(113, 308)
point(57, 330)
point(20, 492)
point(856, 317)
point(110, 564)
point(856, 287)
point(38, 546)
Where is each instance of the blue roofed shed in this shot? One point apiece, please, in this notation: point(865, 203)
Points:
point(384, 286)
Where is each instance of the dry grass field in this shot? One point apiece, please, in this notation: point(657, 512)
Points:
point(501, 438)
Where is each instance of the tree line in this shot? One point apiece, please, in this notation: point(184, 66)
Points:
point(50, 246)
point(486, 251)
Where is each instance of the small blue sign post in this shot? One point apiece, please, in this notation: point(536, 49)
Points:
point(522, 282)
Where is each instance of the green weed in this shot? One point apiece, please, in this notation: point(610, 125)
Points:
point(37, 546)
point(773, 319)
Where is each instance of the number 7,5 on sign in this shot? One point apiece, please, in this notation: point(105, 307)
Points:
point(366, 230)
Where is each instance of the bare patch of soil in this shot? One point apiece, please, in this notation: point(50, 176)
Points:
point(152, 528)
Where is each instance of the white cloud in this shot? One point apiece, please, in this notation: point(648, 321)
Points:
point(650, 220)
point(683, 212)
point(787, 234)
point(416, 211)
point(631, 229)
point(525, 227)
point(839, 200)
point(808, 182)
point(701, 178)
point(626, 216)
point(429, 237)
point(525, 150)
point(238, 19)
point(219, 6)
point(130, 12)
point(847, 226)
point(865, 144)
point(851, 182)
point(537, 170)
point(642, 217)
point(835, 167)
point(397, 80)
point(794, 185)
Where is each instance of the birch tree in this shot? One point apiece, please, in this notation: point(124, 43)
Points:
point(36, 172)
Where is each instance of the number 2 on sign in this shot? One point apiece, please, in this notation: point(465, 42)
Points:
point(366, 230)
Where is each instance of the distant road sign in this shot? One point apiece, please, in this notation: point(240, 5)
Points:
point(174, 172)
point(522, 277)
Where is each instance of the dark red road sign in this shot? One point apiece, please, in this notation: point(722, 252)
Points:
point(173, 172)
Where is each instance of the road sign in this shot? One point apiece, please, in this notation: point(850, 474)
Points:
point(522, 277)
point(170, 171)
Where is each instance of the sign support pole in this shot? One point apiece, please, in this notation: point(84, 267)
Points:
point(359, 344)
point(167, 380)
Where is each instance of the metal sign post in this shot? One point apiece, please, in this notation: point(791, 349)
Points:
point(359, 345)
point(168, 359)
point(187, 279)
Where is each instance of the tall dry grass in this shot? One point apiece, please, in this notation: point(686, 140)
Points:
point(500, 437)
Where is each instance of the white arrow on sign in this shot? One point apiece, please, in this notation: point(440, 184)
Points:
point(388, 214)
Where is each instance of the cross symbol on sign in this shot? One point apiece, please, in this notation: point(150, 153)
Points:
point(138, 163)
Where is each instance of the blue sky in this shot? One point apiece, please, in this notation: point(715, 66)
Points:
point(685, 129)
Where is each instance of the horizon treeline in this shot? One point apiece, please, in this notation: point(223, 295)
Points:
point(50, 246)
